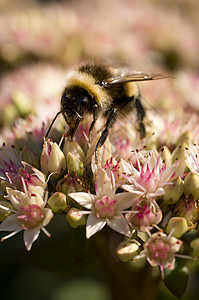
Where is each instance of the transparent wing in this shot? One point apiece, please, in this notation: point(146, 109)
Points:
point(132, 77)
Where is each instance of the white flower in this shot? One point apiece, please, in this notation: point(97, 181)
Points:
point(29, 214)
point(105, 207)
point(150, 178)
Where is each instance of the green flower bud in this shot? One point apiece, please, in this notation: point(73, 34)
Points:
point(127, 251)
point(184, 138)
point(195, 245)
point(174, 192)
point(191, 185)
point(57, 202)
point(74, 164)
point(166, 155)
point(52, 159)
point(9, 113)
point(74, 148)
point(179, 153)
point(75, 217)
point(188, 209)
point(70, 184)
point(22, 103)
point(178, 226)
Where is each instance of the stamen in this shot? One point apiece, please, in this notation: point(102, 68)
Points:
point(46, 232)
point(7, 209)
point(24, 185)
point(10, 235)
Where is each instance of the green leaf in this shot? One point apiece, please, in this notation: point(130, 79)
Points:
point(176, 280)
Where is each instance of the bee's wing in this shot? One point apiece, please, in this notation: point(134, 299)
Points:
point(133, 77)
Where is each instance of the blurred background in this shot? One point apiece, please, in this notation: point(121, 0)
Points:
point(39, 42)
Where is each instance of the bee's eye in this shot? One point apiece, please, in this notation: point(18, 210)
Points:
point(82, 100)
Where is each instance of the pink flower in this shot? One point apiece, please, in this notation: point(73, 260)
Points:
point(34, 180)
point(150, 178)
point(144, 215)
point(118, 169)
point(29, 214)
point(9, 162)
point(160, 250)
point(105, 207)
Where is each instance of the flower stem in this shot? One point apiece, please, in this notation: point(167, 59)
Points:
point(123, 283)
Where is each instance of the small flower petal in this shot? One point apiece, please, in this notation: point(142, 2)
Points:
point(30, 236)
point(83, 199)
point(126, 199)
point(119, 224)
point(94, 225)
point(11, 223)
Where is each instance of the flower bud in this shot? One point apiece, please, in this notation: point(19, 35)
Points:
point(74, 148)
point(178, 226)
point(52, 159)
point(145, 216)
point(179, 153)
point(188, 209)
point(22, 103)
point(70, 184)
point(127, 251)
point(173, 192)
point(166, 155)
point(75, 217)
point(34, 179)
point(184, 138)
point(74, 164)
point(9, 113)
point(191, 185)
point(195, 245)
point(57, 202)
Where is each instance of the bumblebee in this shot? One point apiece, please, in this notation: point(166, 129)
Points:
point(102, 91)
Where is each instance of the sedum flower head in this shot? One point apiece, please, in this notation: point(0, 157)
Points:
point(106, 207)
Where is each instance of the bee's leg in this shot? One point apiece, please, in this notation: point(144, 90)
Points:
point(95, 117)
point(140, 115)
point(109, 123)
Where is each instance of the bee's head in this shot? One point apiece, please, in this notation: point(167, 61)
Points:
point(74, 105)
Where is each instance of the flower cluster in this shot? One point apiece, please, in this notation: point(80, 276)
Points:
point(150, 192)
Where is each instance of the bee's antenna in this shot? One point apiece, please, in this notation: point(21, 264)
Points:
point(51, 124)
